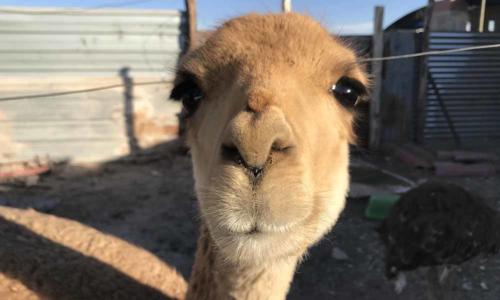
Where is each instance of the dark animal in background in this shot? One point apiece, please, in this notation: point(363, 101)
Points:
point(437, 224)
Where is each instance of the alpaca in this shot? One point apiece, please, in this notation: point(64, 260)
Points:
point(437, 224)
point(47, 257)
point(269, 102)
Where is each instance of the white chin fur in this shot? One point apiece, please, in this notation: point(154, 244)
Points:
point(259, 247)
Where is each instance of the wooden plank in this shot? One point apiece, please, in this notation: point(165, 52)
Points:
point(192, 22)
point(378, 51)
point(23, 169)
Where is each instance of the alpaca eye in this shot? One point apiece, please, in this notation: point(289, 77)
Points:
point(348, 91)
point(189, 92)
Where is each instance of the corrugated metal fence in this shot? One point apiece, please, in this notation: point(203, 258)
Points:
point(463, 94)
point(59, 50)
point(97, 42)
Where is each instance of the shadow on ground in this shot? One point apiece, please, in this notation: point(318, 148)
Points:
point(147, 199)
point(54, 271)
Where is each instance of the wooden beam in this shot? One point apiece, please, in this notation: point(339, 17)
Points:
point(481, 16)
point(422, 89)
point(378, 51)
point(192, 29)
point(286, 6)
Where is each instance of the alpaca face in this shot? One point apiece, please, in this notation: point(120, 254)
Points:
point(269, 103)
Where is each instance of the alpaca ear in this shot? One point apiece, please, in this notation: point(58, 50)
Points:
point(187, 90)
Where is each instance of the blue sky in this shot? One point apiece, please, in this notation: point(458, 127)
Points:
point(340, 16)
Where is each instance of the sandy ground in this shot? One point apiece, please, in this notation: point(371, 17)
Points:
point(149, 201)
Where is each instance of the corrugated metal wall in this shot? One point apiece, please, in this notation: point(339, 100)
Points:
point(59, 50)
point(468, 83)
point(97, 42)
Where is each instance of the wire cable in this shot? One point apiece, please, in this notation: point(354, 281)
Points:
point(428, 53)
point(101, 88)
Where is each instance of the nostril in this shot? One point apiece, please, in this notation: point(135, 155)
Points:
point(232, 153)
point(256, 171)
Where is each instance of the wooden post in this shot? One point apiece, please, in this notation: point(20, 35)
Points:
point(422, 90)
point(286, 5)
point(378, 51)
point(191, 15)
point(481, 16)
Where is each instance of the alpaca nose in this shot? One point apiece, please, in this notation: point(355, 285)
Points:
point(252, 138)
point(256, 171)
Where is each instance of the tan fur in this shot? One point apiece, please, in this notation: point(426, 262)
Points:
point(47, 257)
point(266, 80)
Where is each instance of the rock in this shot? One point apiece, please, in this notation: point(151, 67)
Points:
point(338, 254)
point(483, 285)
point(155, 173)
point(467, 286)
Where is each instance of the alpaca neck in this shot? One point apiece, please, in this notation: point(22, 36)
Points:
point(213, 278)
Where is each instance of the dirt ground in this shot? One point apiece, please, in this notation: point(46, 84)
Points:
point(149, 201)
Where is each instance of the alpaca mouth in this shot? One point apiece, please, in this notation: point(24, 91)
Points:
point(249, 232)
point(263, 229)
point(253, 231)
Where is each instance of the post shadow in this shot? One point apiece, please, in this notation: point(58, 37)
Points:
point(128, 110)
point(56, 272)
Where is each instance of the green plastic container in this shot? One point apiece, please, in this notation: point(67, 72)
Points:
point(380, 205)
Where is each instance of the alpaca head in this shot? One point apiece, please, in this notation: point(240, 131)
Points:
point(269, 103)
